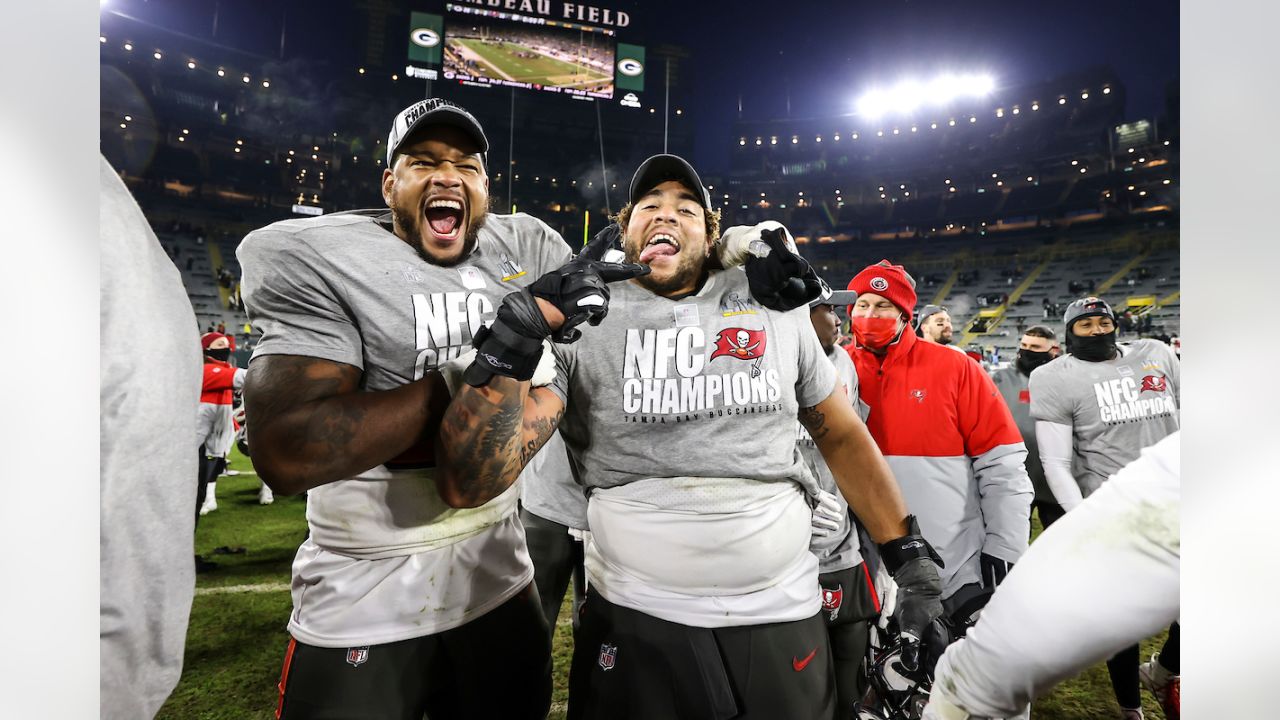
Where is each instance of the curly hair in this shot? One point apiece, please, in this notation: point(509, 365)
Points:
point(623, 217)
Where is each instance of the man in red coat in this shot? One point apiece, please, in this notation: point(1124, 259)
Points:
point(948, 436)
point(214, 429)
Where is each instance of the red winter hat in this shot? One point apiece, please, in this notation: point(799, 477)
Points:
point(889, 281)
point(207, 339)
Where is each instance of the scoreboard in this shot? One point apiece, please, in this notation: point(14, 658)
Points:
point(566, 48)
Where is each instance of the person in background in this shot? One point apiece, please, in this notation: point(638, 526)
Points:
point(1096, 409)
point(1034, 350)
point(951, 442)
point(850, 599)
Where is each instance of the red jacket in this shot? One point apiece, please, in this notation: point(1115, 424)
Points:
point(954, 448)
point(219, 383)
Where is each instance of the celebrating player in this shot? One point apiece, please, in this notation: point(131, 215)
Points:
point(849, 596)
point(1096, 408)
point(951, 443)
point(399, 601)
point(703, 598)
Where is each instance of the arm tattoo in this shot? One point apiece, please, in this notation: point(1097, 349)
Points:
point(486, 439)
point(815, 422)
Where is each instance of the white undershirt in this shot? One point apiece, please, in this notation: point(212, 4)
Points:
point(706, 552)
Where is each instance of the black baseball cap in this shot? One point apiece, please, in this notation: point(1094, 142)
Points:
point(661, 168)
point(1087, 307)
point(838, 298)
point(434, 111)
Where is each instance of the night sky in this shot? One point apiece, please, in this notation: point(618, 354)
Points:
point(817, 55)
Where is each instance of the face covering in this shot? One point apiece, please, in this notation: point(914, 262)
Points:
point(874, 332)
point(221, 355)
point(1092, 348)
point(1029, 360)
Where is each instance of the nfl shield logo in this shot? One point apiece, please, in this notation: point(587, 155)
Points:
point(608, 656)
point(355, 656)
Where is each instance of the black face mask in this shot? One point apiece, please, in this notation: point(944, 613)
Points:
point(1029, 360)
point(1092, 348)
point(222, 354)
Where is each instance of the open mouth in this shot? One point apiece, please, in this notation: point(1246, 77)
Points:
point(660, 245)
point(445, 219)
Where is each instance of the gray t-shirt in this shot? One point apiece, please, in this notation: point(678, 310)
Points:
point(840, 549)
point(705, 386)
point(547, 488)
point(150, 362)
point(1115, 407)
point(1012, 385)
point(344, 288)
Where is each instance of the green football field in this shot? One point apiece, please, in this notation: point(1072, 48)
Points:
point(502, 59)
point(237, 637)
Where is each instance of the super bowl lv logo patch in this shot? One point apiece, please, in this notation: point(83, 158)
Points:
point(831, 600)
point(740, 343)
point(356, 656)
point(608, 656)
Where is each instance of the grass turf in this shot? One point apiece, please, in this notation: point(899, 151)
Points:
point(236, 640)
point(540, 69)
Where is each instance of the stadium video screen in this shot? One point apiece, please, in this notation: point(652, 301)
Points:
point(570, 60)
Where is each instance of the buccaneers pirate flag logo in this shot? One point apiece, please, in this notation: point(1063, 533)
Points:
point(740, 343)
point(1154, 383)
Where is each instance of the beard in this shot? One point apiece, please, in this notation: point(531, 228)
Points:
point(409, 225)
point(687, 271)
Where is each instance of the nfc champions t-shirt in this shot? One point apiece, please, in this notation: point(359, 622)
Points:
point(1114, 407)
point(680, 420)
point(387, 559)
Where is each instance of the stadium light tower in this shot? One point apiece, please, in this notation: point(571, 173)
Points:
point(908, 96)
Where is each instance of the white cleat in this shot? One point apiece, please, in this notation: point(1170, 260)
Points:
point(265, 496)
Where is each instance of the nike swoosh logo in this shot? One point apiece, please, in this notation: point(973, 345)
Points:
point(799, 665)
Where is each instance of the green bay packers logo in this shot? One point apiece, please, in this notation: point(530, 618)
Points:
point(425, 37)
point(630, 67)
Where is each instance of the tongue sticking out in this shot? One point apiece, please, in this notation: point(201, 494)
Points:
point(657, 251)
point(444, 221)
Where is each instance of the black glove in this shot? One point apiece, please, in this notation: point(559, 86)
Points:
point(579, 290)
point(512, 345)
point(911, 561)
point(610, 238)
point(920, 658)
point(782, 280)
point(993, 570)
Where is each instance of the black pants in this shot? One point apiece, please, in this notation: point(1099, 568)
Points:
point(1123, 669)
point(849, 602)
point(496, 666)
point(631, 666)
point(556, 557)
point(207, 470)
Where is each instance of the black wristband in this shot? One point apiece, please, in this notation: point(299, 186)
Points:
point(899, 551)
point(502, 351)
